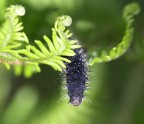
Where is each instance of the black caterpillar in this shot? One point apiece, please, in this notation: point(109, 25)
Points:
point(76, 76)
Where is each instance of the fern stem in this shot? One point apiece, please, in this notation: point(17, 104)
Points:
point(8, 58)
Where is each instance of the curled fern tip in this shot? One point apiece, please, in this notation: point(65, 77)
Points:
point(131, 9)
point(20, 10)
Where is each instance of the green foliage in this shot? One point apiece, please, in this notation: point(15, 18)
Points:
point(129, 12)
point(115, 89)
point(15, 47)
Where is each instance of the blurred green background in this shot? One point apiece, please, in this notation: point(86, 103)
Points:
point(116, 93)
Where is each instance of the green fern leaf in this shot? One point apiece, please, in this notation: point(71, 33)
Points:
point(15, 47)
point(129, 12)
point(10, 32)
point(52, 53)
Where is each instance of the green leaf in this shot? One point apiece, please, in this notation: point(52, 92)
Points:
point(129, 12)
point(15, 47)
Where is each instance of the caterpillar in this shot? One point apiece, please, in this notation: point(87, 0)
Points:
point(76, 74)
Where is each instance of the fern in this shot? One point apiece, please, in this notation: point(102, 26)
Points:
point(16, 50)
point(129, 12)
point(10, 34)
point(15, 47)
point(53, 52)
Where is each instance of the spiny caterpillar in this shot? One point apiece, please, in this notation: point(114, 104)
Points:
point(76, 77)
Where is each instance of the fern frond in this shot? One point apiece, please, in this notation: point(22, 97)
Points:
point(52, 53)
point(129, 12)
point(10, 32)
point(11, 35)
point(15, 47)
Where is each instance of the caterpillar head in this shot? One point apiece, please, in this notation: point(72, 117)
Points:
point(76, 99)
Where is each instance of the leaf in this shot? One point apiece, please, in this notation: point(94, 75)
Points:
point(129, 12)
point(15, 47)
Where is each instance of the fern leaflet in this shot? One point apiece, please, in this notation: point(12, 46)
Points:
point(129, 12)
point(15, 47)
